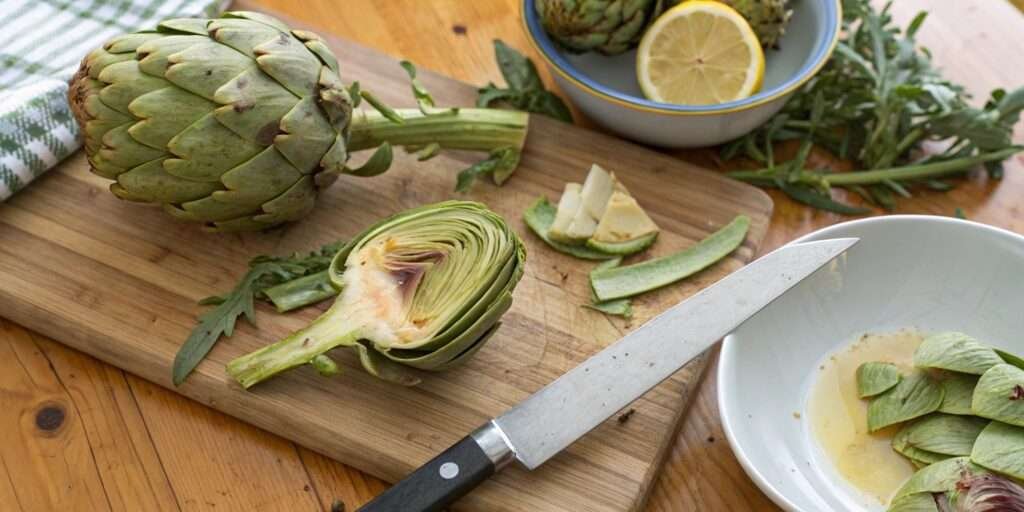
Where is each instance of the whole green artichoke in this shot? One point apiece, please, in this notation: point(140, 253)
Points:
point(605, 26)
point(615, 26)
point(424, 289)
point(238, 122)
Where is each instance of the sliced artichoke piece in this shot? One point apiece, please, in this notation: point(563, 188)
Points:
point(999, 395)
point(1000, 447)
point(939, 477)
point(959, 389)
point(945, 434)
point(594, 195)
point(914, 396)
point(956, 352)
point(539, 218)
point(876, 378)
point(423, 289)
point(568, 205)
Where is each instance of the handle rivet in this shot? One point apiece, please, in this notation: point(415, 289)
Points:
point(449, 470)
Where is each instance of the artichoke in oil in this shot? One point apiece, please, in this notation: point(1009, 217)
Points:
point(423, 289)
point(239, 122)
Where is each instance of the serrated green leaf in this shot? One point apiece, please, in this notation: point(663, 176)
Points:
point(945, 434)
point(914, 396)
point(956, 352)
point(999, 395)
point(959, 389)
point(874, 378)
point(1000, 448)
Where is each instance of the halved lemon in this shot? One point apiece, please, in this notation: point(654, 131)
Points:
point(700, 53)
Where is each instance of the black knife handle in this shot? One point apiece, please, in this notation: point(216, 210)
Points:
point(447, 477)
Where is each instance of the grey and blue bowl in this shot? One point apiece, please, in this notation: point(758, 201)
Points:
point(606, 90)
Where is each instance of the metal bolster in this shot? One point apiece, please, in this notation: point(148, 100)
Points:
point(495, 444)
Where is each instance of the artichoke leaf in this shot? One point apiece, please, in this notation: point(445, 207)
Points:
point(914, 396)
point(956, 352)
point(157, 124)
point(125, 82)
point(259, 18)
point(289, 62)
point(258, 180)
point(378, 163)
point(945, 434)
point(204, 67)
point(939, 477)
point(901, 443)
point(1010, 358)
point(253, 105)
point(206, 149)
point(129, 43)
point(959, 389)
point(120, 152)
point(918, 502)
point(293, 204)
point(999, 395)
point(151, 183)
point(242, 35)
point(874, 378)
point(306, 138)
point(154, 53)
point(1000, 448)
point(194, 26)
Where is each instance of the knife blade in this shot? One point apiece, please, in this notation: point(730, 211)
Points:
point(563, 411)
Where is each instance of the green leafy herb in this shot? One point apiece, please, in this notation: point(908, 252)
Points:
point(956, 352)
point(525, 90)
point(1000, 447)
point(999, 395)
point(630, 280)
point(916, 394)
point(539, 217)
point(264, 272)
point(876, 378)
point(959, 388)
point(875, 102)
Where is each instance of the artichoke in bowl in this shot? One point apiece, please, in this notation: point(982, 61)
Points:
point(238, 122)
point(423, 289)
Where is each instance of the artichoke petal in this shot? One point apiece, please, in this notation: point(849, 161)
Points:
point(195, 26)
point(121, 150)
point(204, 67)
point(290, 63)
point(157, 125)
point(258, 18)
point(128, 43)
point(154, 54)
point(206, 149)
point(208, 210)
point(379, 366)
point(258, 180)
point(253, 106)
point(293, 204)
point(125, 83)
point(317, 46)
point(98, 59)
point(149, 182)
point(241, 34)
point(96, 117)
point(306, 137)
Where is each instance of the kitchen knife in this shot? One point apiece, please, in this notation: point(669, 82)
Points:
point(563, 411)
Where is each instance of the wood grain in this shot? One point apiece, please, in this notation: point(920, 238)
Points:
point(454, 38)
point(120, 281)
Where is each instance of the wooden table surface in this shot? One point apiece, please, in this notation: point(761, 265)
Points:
point(78, 434)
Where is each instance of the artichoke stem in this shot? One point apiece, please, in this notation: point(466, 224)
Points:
point(330, 330)
point(301, 292)
point(475, 129)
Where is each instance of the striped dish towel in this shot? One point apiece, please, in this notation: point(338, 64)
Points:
point(41, 44)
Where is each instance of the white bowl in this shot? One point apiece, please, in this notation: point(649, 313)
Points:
point(919, 272)
point(605, 88)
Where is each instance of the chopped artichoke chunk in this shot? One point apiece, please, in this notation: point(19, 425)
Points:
point(623, 220)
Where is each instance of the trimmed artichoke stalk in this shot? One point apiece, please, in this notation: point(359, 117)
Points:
point(423, 289)
point(239, 122)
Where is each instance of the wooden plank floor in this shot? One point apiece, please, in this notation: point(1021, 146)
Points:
point(76, 434)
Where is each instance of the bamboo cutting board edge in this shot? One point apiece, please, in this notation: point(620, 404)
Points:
point(205, 387)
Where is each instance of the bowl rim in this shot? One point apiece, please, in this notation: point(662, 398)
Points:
point(546, 48)
point(726, 358)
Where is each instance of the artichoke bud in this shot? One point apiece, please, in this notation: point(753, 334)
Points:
point(423, 289)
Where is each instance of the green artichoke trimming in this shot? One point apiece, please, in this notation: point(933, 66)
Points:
point(422, 289)
point(238, 122)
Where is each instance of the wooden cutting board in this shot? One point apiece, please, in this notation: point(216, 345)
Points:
point(120, 281)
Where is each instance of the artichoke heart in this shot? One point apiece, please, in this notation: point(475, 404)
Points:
point(422, 289)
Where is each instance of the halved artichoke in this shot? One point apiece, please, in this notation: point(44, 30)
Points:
point(422, 289)
point(238, 122)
